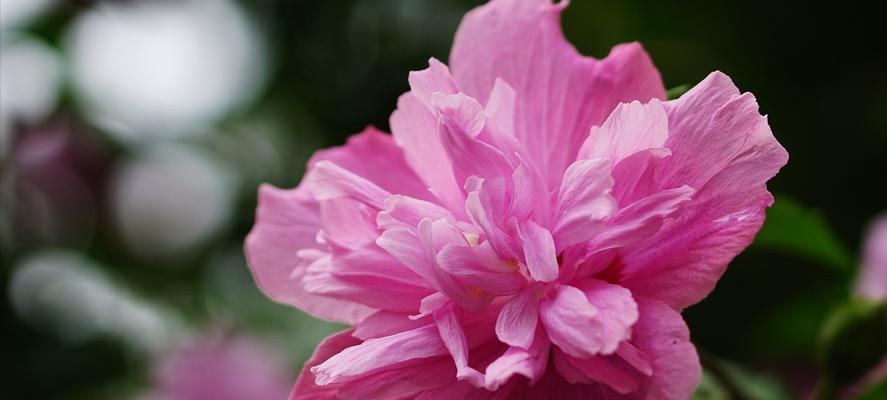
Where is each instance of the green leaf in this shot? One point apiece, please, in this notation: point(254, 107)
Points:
point(792, 228)
point(710, 388)
point(755, 386)
point(726, 380)
point(877, 391)
point(853, 341)
point(676, 91)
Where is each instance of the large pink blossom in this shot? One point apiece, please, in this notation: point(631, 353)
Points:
point(532, 228)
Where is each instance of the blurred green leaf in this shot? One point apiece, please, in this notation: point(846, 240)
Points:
point(878, 391)
point(725, 380)
point(791, 227)
point(676, 91)
point(710, 388)
point(853, 341)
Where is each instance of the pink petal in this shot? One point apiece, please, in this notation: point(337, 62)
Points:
point(642, 219)
point(728, 208)
point(358, 280)
point(516, 324)
point(305, 388)
point(286, 222)
point(408, 212)
point(374, 156)
point(461, 120)
point(401, 382)
point(417, 251)
point(632, 127)
point(594, 370)
point(662, 335)
point(486, 209)
point(379, 354)
point(539, 251)
point(560, 93)
point(634, 175)
point(529, 361)
point(453, 337)
point(500, 107)
point(414, 128)
point(434, 79)
point(584, 201)
point(385, 323)
point(590, 320)
point(347, 223)
point(480, 267)
point(330, 181)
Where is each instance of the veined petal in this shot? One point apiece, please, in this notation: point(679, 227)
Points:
point(379, 354)
point(516, 324)
point(330, 181)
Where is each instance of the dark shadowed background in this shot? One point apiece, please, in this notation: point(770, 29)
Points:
point(134, 135)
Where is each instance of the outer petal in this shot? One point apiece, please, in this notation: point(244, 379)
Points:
point(374, 156)
point(662, 335)
point(287, 221)
point(724, 149)
point(376, 355)
point(560, 93)
point(305, 388)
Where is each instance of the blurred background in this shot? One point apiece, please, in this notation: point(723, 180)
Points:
point(134, 134)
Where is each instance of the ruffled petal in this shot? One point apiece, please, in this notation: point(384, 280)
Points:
point(287, 221)
point(529, 361)
point(589, 320)
point(560, 93)
point(722, 147)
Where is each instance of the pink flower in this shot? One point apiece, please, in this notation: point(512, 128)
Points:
point(872, 280)
point(221, 368)
point(532, 228)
